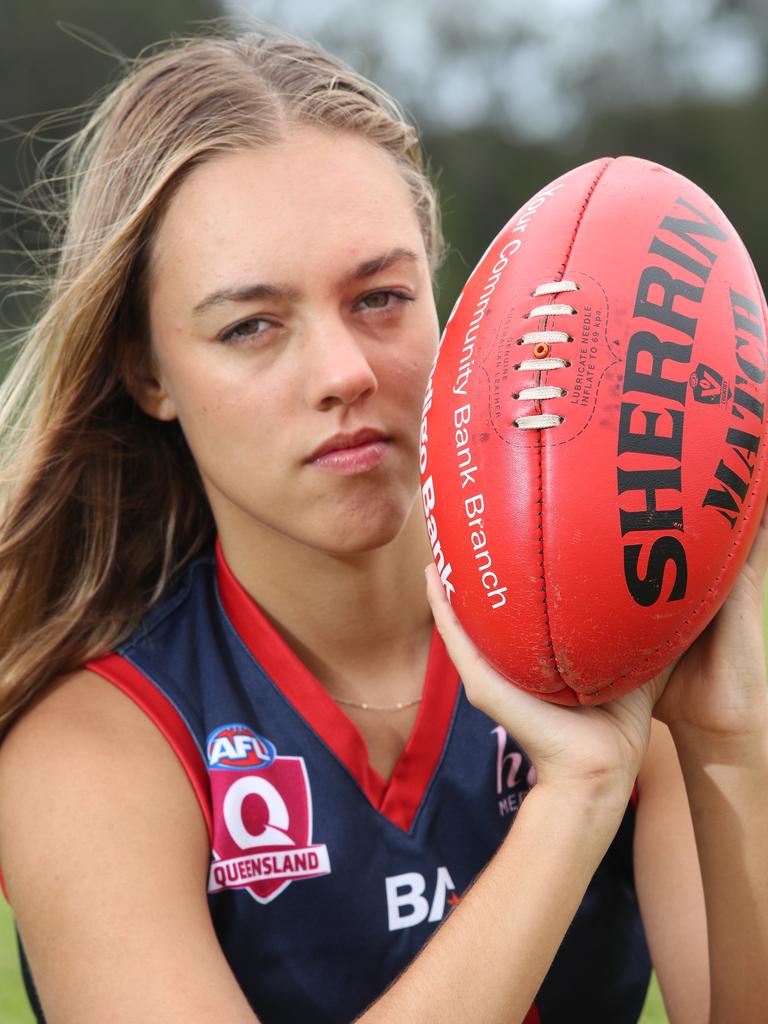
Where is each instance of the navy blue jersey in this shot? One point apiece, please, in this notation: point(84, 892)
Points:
point(325, 879)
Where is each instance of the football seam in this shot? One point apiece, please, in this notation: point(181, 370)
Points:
point(543, 577)
point(587, 196)
point(561, 272)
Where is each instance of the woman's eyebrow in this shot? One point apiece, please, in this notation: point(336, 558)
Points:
point(252, 292)
point(244, 293)
point(368, 268)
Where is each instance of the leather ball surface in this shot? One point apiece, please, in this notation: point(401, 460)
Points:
point(592, 442)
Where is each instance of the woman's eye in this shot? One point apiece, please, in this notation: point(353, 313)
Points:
point(246, 329)
point(387, 298)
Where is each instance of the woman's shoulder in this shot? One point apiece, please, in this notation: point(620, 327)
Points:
point(81, 762)
point(101, 837)
point(81, 717)
point(83, 740)
point(78, 709)
point(80, 736)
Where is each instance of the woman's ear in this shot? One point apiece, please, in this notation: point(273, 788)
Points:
point(143, 382)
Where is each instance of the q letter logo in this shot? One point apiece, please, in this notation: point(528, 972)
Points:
point(262, 816)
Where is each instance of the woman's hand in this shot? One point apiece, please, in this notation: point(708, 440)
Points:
point(716, 706)
point(567, 745)
point(718, 688)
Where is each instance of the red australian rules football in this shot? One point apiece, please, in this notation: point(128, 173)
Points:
point(592, 449)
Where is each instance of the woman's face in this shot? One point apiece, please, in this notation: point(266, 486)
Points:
point(293, 327)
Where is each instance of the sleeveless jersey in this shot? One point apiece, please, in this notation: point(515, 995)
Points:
point(325, 880)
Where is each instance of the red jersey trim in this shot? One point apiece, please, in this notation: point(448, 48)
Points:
point(400, 798)
point(143, 692)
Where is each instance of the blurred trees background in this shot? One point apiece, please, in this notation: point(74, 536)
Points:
point(512, 94)
point(508, 95)
point(55, 55)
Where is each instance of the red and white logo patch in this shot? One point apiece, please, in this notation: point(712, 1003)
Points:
point(262, 813)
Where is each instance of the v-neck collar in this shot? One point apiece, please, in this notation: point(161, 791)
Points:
point(399, 798)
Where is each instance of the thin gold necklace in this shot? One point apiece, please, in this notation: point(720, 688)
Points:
point(365, 706)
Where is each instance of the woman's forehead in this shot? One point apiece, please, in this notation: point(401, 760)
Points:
point(312, 194)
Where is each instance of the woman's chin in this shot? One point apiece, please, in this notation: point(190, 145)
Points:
point(358, 531)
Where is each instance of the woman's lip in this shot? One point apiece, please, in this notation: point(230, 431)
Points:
point(347, 440)
point(359, 458)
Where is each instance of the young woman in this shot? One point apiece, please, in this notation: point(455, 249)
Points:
point(240, 780)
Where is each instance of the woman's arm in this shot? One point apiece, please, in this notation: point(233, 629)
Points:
point(669, 886)
point(701, 866)
point(105, 857)
point(702, 843)
point(716, 707)
point(488, 960)
point(727, 788)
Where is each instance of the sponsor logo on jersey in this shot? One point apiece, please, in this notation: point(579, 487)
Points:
point(515, 775)
point(262, 813)
point(237, 746)
point(407, 904)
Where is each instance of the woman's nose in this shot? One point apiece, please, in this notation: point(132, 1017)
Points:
point(337, 372)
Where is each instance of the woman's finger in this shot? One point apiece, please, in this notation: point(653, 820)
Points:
point(463, 652)
point(485, 687)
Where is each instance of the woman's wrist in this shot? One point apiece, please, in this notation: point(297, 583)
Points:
point(591, 807)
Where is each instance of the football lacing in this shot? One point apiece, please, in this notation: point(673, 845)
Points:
point(541, 340)
point(554, 288)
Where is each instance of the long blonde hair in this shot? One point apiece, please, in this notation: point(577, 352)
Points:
point(101, 504)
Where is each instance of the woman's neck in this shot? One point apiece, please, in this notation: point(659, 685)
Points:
point(345, 616)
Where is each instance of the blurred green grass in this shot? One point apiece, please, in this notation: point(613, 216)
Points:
point(14, 1008)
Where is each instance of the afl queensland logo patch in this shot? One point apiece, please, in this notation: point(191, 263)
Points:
point(262, 816)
